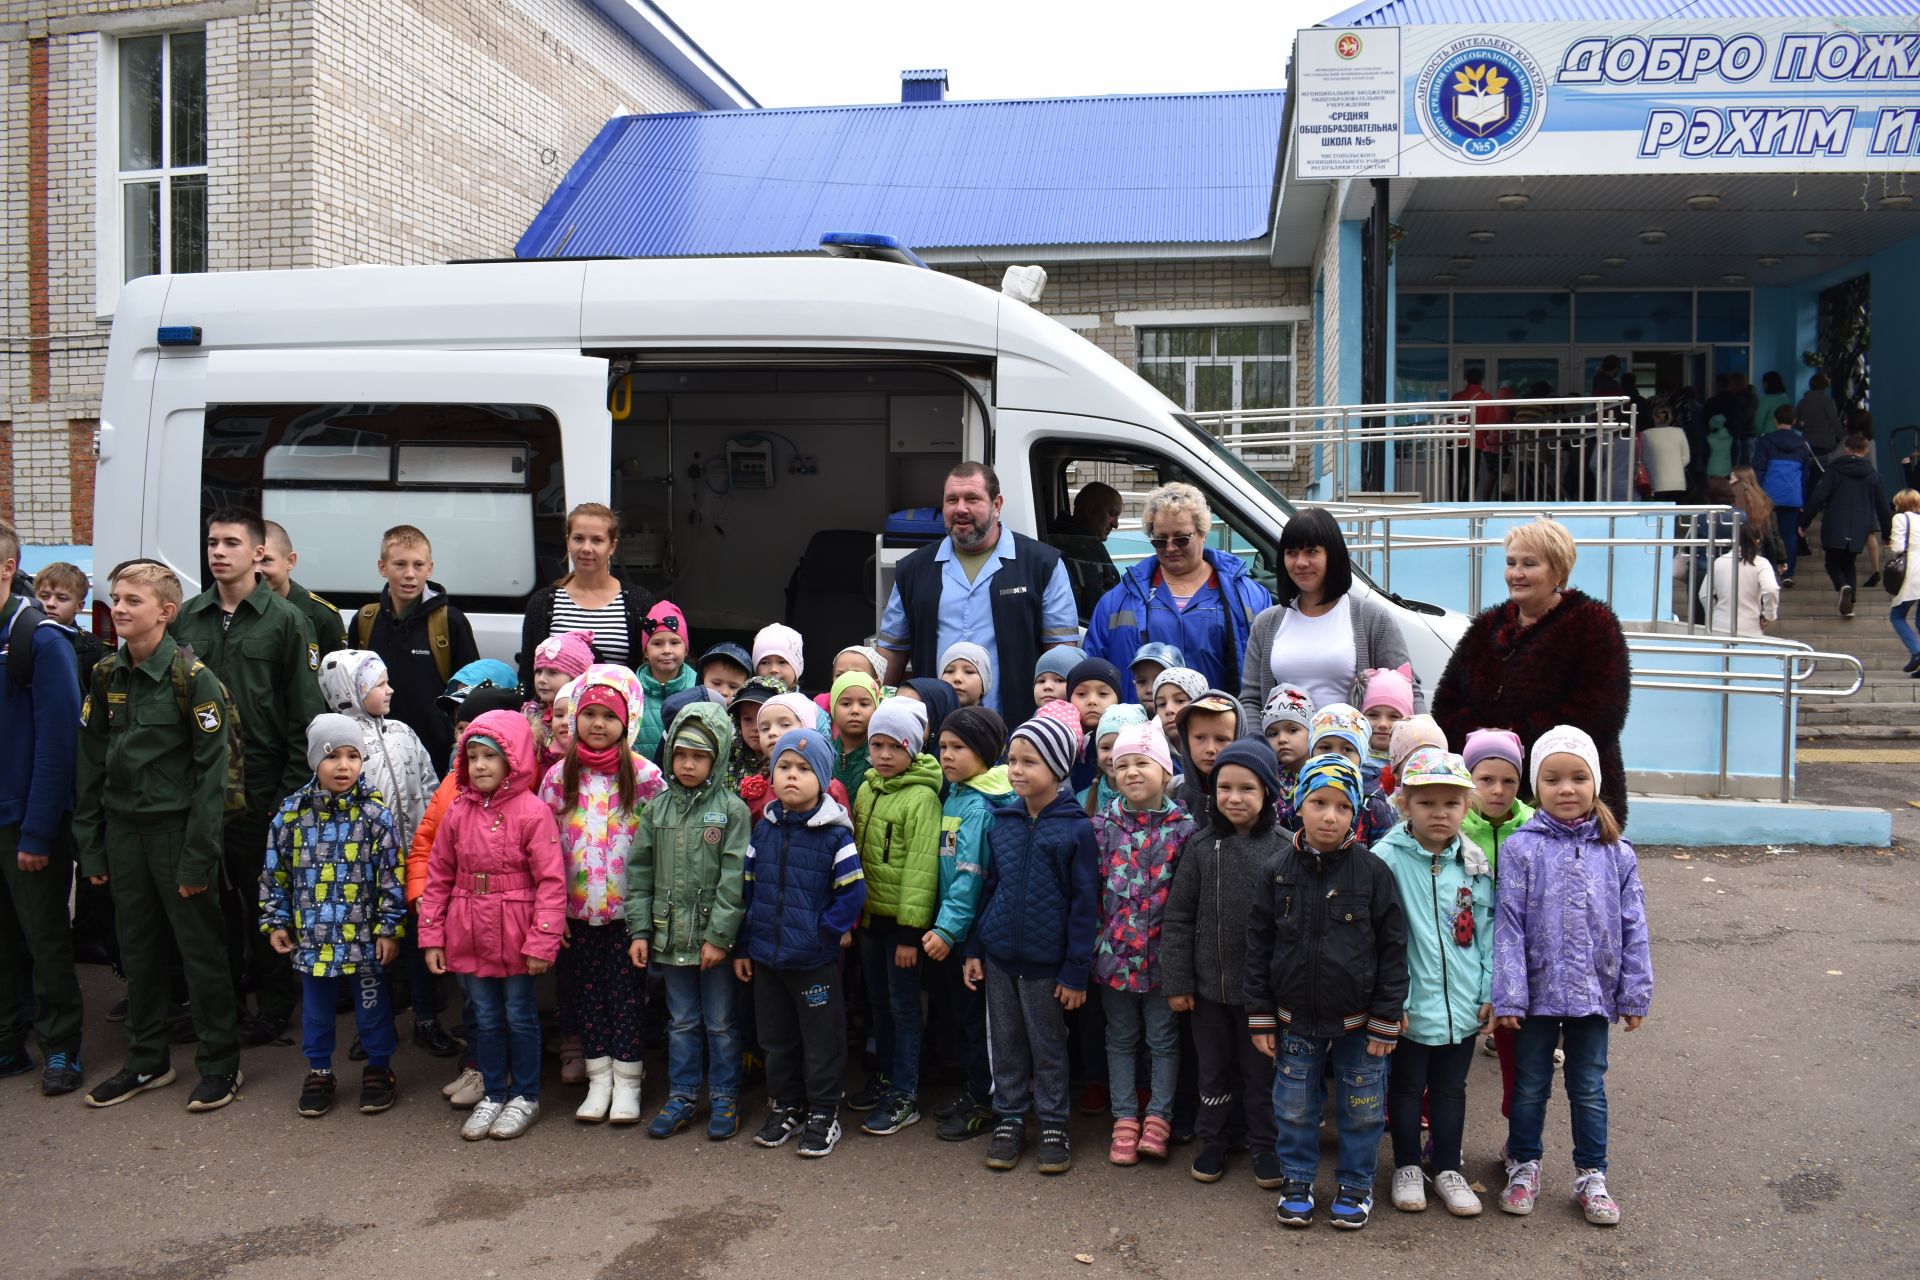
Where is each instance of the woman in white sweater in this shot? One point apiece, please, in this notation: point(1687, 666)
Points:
point(1906, 525)
point(1741, 593)
point(1663, 447)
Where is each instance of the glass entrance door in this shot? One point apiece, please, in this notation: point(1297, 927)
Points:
point(1513, 374)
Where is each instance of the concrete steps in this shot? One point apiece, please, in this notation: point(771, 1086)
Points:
point(1888, 704)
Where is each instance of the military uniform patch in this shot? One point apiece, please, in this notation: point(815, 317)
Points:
point(713, 835)
point(207, 716)
point(86, 709)
point(313, 657)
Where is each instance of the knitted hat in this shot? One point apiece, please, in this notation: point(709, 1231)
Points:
point(1051, 739)
point(810, 747)
point(870, 655)
point(1059, 661)
point(776, 641)
point(1185, 679)
point(726, 651)
point(1435, 767)
point(1067, 716)
point(1494, 744)
point(1287, 704)
point(1103, 671)
point(1339, 720)
point(488, 741)
point(941, 701)
point(1411, 734)
point(981, 730)
point(601, 695)
point(1167, 655)
point(902, 719)
point(570, 652)
point(1256, 758)
point(852, 680)
point(665, 615)
point(328, 732)
point(1333, 771)
point(1564, 739)
point(1117, 717)
point(1390, 687)
point(966, 651)
point(688, 735)
point(802, 707)
point(1144, 738)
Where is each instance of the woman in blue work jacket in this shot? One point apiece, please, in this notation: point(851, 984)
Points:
point(1201, 601)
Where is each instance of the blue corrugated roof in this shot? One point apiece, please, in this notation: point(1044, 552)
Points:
point(1413, 13)
point(1159, 169)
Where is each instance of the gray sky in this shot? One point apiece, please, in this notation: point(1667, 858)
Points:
point(795, 55)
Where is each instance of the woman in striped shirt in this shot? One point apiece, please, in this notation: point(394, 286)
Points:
point(589, 597)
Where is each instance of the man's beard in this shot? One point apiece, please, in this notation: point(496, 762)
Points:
point(971, 539)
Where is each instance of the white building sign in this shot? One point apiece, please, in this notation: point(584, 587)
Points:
point(1347, 109)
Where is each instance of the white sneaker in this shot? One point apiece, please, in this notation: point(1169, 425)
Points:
point(515, 1118)
point(1456, 1195)
point(466, 1089)
point(1559, 1057)
point(1409, 1189)
point(480, 1123)
point(1590, 1192)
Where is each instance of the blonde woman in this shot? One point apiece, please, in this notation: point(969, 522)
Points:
point(1906, 523)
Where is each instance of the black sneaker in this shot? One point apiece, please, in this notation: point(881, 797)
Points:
point(428, 1034)
point(891, 1116)
point(378, 1087)
point(257, 1031)
point(1913, 664)
point(821, 1136)
point(1210, 1164)
point(874, 1092)
point(62, 1075)
point(782, 1123)
point(1003, 1152)
point(1350, 1209)
point(15, 1064)
point(969, 1122)
point(1786, 583)
point(180, 1028)
point(117, 1011)
point(1056, 1155)
point(356, 1052)
point(953, 1106)
point(1295, 1208)
point(118, 1088)
point(215, 1092)
point(316, 1095)
point(1267, 1173)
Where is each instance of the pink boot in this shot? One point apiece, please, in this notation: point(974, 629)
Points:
point(1154, 1136)
point(1125, 1148)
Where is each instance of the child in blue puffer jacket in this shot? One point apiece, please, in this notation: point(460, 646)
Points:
point(1033, 940)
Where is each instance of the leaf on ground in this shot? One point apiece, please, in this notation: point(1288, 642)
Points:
point(1085, 1259)
point(1478, 1187)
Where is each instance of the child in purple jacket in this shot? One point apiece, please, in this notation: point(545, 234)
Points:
point(1570, 955)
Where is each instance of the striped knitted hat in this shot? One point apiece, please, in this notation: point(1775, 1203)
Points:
point(1054, 742)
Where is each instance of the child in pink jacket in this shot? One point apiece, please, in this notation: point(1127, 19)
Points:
point(495, 911)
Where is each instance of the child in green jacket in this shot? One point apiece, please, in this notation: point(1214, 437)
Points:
point(1494, 758)
point(896, 823)
point(970, 740)
point(685, 902)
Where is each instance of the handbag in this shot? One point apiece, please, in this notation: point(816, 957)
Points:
point(1893, 574)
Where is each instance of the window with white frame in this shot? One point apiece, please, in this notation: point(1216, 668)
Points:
point(1221, 369)
point(161, 154)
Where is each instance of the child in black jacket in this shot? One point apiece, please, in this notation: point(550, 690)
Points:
point(1327, 960)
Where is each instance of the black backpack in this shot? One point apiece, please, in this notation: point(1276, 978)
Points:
point(26, 621)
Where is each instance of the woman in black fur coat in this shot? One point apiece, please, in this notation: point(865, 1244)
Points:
point(1548, 655)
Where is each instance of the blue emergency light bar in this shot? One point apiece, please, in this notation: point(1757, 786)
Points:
point(870, 245)
point(179, 335)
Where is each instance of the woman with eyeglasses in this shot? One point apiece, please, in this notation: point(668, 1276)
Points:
point(1198, 599)
point(1320, 636)
point(589, 597)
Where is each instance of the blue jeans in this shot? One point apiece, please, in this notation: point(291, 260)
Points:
point(701, 999)
point(504, 1020)
point(894, 994)
point(1585, 1040)
point(372, 1017)
point(1904, 629)
point(1299, 1089)
point(1128, 1014)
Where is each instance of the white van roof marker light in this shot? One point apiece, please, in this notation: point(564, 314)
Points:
point(871, 245)
point(179, 335)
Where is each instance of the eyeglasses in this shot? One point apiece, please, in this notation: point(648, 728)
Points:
point(1177, 542)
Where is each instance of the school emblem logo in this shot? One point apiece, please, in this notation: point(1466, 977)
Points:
point(1482, 96)
point(1347, 46)
point(207, 716)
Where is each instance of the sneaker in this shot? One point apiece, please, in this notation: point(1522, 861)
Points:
point(378, 1089)
point(356, 1052)
point(515, 1118)
point(480, 1123)
point(1056, 1154)
point(1009, 1136)
point(118, 1088)
point(676, 1115)
point(117, 1011)
point(1210, 1165)
point(62, 1075)
point(1410, 1189)
point(1455, 1193)
point(215, 1092)
point(316, 1094)
point(969, 1122)
point(1590, 1193)
point(257, 1032)
point(782, 1123)
point(1155, 1134)
point(871, 1094)
point(821, 1136)
point(1913, 664)
point(1267, 1174)
point(953, 1106)
point(1350, 1209)
point(1846, 602)
point(1124, 1147)
point(723, 1119)
point(15, 1064)
point(1523, 1186)
point(1095, 1100)
point(891, 1116)
point(1786, 583)
point(466, 1090)
point(1488, 1047)
point(431, 1036)
point(1295, 1207)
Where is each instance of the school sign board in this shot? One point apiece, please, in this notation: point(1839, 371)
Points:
point(1773, 95)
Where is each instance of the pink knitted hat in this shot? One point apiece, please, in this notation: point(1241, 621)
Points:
point(1148, 740)
point(1390, 687)
point(570, 652)
point(1067, 714)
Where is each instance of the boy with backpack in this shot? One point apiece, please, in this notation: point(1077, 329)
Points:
point(1784, 462)
point(61, 589)
point(418, 633)
point(156, 777)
